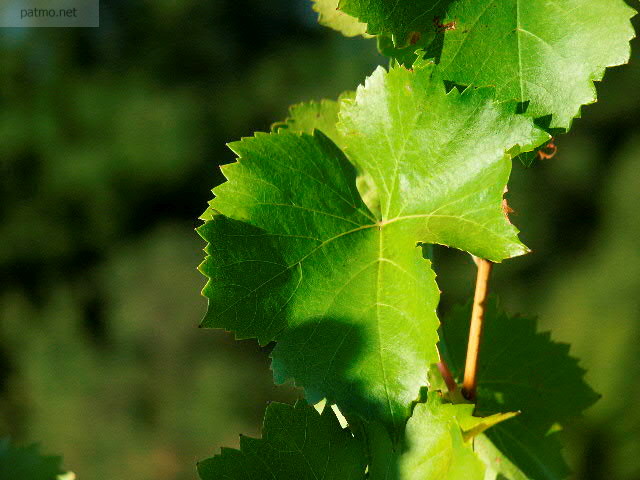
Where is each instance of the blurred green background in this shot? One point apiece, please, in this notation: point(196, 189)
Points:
point(109, 144)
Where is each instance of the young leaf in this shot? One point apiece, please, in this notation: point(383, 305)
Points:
point(547, 53)
point(437, 442)
point(297, 443)
point(296, 256)
point(520, 370)
point(26, 463)
point(405, 21)
point(330, 16)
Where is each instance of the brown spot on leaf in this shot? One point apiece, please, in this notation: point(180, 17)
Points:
point(443, 27)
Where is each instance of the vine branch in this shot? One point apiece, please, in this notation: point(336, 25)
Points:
point(477, 324)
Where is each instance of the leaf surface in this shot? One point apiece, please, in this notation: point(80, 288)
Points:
point(438, 441)
point(309, 116)
point(520, 370)
point(405, 21)
point(438, 157)
point(297, 443)
point(330, 16)
point(437, 444)
point(27, 463)
point(544, 52)
point(296, 256)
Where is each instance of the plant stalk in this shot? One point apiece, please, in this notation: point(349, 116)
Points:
point(470, 382)
point(447, 376)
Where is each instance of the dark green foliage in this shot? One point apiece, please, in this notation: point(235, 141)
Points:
point(521, 370)
point(297, 442)
point(26, 463)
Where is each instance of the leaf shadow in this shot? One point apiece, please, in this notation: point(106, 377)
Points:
point(324, 356)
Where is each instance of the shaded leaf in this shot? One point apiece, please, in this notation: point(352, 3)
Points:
point(26, 463)
point(523, 370)
point(405, 21)
point(297, 443)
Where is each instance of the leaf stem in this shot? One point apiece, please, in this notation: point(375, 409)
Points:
point(475, 332)
point(447, 376)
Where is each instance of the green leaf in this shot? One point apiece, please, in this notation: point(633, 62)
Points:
point(437, 443)
point(404, 21)
point(330, 16)
point(297, 443)
point(296, 256)
point(547, 53)
point(520, 370)
point(309, 116)
point(544, 54)
point(437, 446)
point(439, 158)
point(323, 116)
point(513, 452)
point(408, 55)
point(26, 463)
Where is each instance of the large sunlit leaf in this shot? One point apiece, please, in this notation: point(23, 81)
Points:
point(520, 370)
point(438, 158)
point(296, 256)
point(297, 443)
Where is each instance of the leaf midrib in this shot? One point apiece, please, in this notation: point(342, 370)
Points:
point(380, 224)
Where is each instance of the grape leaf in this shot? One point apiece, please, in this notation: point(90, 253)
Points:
point(438, 441)
point(547, 53)
point(436, 448)
point(297, 443)
point(438, 156)
point(409, 55)
point(309, 116)
point(26, 463)
point(404, 21)
point(520, 370)
point(512, 452)
point(296, 256)
point(323, 116)
point(330, 16)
